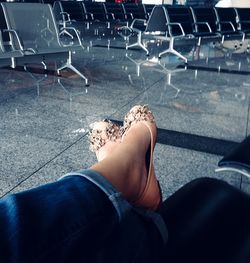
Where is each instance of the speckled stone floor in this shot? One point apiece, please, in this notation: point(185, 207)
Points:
point(45, 118)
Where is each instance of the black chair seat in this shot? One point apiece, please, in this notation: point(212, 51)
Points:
point(205, 34)
point(231, 33)
point(247, 31)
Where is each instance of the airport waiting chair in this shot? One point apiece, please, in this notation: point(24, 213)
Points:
point(71, 12)
point(96, 12)
point(166, 24)
point(134, 11)
point(226, 19)
point(205, 23)
point(117, 10)
point(180, 27)
point(155, 27)
point(38, 35)
point(243, 19)
point(238, 160)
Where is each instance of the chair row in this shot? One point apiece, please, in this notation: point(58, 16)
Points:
point(29, 34)
point(169, 23)
point(83, 12)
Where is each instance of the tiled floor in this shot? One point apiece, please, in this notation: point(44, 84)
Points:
point(45, 118)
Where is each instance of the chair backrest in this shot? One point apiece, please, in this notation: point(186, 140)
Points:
point(243, 15)
point(116, 9)
point(51, 2)
point(205, 15)
point(34, 23)
point(32, 1)
point(199, 3)
point(136, 10)
point(97, 9)
point(181, 15)
point(142, 10)
point(158, 20)
point(226, 15)
point(3, 25)
point(148, 8)
point(73, 8)
point(57, 10)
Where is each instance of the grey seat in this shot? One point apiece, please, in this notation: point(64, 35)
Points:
point(38, 34)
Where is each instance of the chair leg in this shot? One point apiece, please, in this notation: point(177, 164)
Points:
point(65, 32)
point(138, 43)
point(69, 65)
point(171, 50)
point(13, 62)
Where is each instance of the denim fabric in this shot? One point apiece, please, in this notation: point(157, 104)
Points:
point(120, 203)
point(73, 220)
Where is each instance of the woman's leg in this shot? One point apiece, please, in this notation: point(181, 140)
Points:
point(57, 222)
point(73, 220)
point(208, 221)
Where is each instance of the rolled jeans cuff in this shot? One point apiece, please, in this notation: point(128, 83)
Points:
point(121, 205)
point(119, 202)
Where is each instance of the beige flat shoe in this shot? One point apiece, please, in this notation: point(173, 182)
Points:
point(103, 137)
point(151, 196)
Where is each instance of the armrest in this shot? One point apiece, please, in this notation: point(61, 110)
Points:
point(1, 41)
point(75, 32)
point(17, 38)
point(30, 50)
point(138, 25)
point(234, 168)
point(89, 14)
point(228, 23)
point(110, 15)
point(176, 24)
point(129, 16)
point(142, 21)
point(244, 22)
point(203, 23)
point(65, 17)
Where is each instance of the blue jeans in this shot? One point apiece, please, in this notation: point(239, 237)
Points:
point(80, 218)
